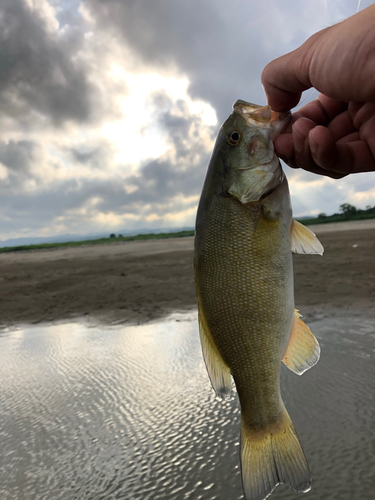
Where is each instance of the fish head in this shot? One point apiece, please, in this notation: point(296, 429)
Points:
point(251, 167)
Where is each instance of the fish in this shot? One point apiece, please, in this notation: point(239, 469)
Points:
point(244, 238)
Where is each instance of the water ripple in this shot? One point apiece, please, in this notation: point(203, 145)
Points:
point(128, 413)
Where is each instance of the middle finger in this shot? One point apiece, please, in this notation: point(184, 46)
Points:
point(341, 126)
point(300, 133)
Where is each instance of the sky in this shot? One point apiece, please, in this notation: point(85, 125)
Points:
point(109, 109)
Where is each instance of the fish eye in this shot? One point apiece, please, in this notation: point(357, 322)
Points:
point(234, 138)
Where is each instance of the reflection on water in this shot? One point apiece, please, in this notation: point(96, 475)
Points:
point(128, 413)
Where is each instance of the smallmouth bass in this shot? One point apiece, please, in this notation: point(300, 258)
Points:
point(245, 236)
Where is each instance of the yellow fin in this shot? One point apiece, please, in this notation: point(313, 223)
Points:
point(218, 370)
point(303, 240)
point(303, 349)
point(271, 456)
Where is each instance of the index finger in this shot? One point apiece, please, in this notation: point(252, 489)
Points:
point(321, 111)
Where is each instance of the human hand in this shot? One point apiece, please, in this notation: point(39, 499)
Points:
point(334, 135)
point(330, 137)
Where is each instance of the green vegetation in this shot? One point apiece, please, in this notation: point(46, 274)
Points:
point(112, 239)
point(347, 212)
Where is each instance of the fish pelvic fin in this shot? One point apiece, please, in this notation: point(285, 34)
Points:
point(303, 350)
point(303, 240)
point(218, 370)
point(271, 456)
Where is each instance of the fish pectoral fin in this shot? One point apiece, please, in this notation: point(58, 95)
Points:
point(218, 370)
point(303, 350)
point(303, 240)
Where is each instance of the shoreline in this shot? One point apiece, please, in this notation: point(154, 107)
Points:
point(146, 281)
point(142, 247)
point(333, 227)
point(310, 317)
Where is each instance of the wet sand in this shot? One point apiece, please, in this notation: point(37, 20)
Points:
point(136, 282)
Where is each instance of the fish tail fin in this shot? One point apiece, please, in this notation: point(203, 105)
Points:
point(271, 456)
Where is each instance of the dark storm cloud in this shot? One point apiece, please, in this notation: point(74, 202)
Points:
point(222, 47)
point(37, 68)
point(49, 77)
point(84, 156)
point(16, 158)
point(95, 157)
point(221, 52)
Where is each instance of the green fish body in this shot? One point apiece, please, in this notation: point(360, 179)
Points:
point(245, 235)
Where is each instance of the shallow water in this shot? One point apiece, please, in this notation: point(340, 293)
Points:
point(128, 413)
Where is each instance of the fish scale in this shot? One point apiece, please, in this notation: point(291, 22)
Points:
point(236, 299)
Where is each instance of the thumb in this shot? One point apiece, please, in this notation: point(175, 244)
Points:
point(281, 84)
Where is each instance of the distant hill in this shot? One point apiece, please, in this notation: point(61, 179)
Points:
point(113, 238)
point(63, 238)
point(347, 212)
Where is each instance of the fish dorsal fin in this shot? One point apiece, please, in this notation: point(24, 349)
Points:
point(218, 370)
point(303, 240)
point(303, 349)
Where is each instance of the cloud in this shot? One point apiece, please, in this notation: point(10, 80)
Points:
point(221, 48)
point(312, 194)
point(41, 75)
point(17, 156)
point(16, 160)
point(104, 107)
point(179, 172)
point(59, 194)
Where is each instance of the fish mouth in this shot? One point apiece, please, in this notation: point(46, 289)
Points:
point(263, 116)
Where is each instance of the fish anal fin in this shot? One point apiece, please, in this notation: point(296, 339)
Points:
point(303, 350)
point(218, 370)
point(303, 240)
point(271, 456)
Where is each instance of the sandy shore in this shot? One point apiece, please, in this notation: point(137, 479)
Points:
point(140, 281)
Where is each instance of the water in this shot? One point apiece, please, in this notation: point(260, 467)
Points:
point(128, 413)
